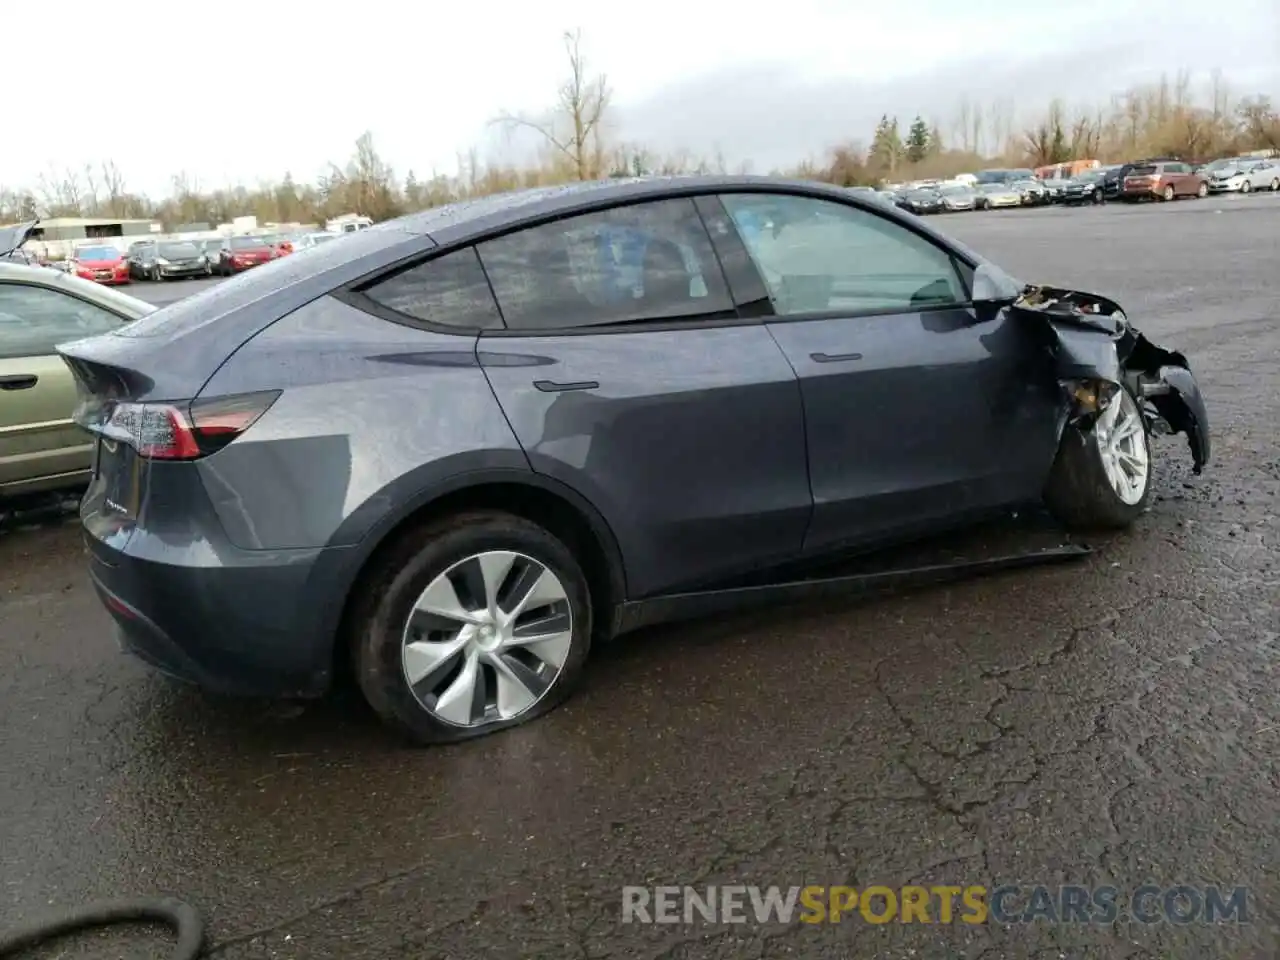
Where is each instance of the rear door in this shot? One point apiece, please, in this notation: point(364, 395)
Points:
point(627, 373)
point(918, 410)
point(38, 440)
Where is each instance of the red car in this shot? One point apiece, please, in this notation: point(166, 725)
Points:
point(100, 264)
point(241, 253)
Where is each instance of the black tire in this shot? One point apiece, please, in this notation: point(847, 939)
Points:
point(391, 589)
point(1202, 191)
point(1078, 492)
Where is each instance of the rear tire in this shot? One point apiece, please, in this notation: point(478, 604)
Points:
point(447, 552)
point(1168, 194)
point(1202, 191)
point(1083, 492)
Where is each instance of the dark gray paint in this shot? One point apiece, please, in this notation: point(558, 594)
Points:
point(917, 417)
point(688, 451)
point(692, 445)
point(365, 403)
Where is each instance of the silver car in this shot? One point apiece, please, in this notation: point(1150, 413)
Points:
point(957, 197)
point(1245, 176)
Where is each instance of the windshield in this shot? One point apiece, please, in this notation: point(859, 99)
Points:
point(248, 243)
point(178, 251)
point(995, 187)
point(922, 194)
point(97, 253)
point(957, 190)
point(1089, 176)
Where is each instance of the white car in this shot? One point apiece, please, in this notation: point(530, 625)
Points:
point(1245, 176)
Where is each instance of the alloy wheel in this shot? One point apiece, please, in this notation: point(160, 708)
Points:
point(487, 639)
point(1122, 445)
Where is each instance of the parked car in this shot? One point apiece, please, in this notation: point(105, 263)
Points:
point(100, 263)
point(41, 449)
point(1087, 187)
point(140, 258)
point(1167, 180)
point(176, 260)
point(462, 446)
point(957, 197)
point(237, 254)
point(280, 243)
point(1033, 192)
point(920, 201)
point(1056, 188)
point(309, 240)
point(1245, 176)
point(210, 248)
point(998, 194)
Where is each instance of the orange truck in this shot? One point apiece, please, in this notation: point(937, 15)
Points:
point(1067, 170)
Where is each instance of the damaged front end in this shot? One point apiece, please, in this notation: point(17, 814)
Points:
point(1096, 351)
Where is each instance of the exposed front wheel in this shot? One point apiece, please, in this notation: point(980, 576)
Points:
point(1246, 187)
point(1275, 184)
point(1101, 479)
point(1168, 193)
point(1202, 191)
point(470, 625)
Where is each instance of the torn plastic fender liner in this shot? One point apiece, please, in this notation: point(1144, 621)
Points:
point(1091, 339)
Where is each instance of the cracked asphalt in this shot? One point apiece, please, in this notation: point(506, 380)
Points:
point(1112, 721)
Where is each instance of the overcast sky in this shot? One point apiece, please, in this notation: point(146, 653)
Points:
point(243, 93)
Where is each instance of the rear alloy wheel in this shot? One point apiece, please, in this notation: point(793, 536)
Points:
point(1101, 479)
point(473, 624)
point(1168, 193)
point(1202, 191)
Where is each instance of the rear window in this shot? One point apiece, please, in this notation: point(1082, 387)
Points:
point(97, 253)
point(247, 243)
point(1145, 170)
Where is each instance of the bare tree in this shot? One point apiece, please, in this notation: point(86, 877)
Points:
point(573, 128)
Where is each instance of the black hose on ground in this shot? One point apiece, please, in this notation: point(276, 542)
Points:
point(181, 917)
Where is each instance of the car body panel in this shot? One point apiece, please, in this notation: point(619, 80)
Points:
point(686, 448)
point(1233, 178)
point(693, 410)
point(991, 440)
point(359, 394)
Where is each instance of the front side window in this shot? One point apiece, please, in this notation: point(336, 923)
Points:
point(447, 291)
point(648, 262)
point(819, 256)
point(34, 320)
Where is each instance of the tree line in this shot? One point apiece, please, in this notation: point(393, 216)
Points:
point(1171, 117)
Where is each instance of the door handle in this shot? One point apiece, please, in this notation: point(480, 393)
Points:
point(18, 381)
point(551, 386)
point(834, 357)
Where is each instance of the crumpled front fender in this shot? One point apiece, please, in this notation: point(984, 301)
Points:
point(1090, 339)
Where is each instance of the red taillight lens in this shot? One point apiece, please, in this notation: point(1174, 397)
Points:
point(163, 431)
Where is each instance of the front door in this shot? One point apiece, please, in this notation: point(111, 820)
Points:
point(627, 373)
point(918, 410)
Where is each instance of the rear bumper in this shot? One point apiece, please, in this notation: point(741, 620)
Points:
point(234, 623)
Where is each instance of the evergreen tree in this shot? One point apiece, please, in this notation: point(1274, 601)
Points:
point(918, 140)
point(886, 145)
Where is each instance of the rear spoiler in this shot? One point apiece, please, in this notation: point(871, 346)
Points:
point(13, 237)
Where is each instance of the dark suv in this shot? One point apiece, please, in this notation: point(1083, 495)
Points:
point(456, 449)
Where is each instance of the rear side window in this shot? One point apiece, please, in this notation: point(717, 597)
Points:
point(447, 291)
point(648, 262)
point(34, 320)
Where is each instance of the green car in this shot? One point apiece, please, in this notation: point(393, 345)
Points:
point(41, 449)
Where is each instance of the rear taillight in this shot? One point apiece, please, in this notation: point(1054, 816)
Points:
point(166, 431)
